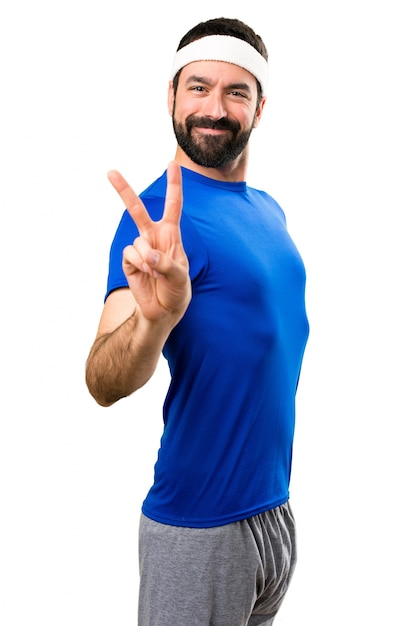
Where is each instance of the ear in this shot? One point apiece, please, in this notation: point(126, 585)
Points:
point(171, 97)
point(259, 111)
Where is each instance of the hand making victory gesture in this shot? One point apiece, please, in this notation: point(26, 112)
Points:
point(156, 265)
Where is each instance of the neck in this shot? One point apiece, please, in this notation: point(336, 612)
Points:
point(234, 172)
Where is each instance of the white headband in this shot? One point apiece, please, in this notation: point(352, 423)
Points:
point(223, 48)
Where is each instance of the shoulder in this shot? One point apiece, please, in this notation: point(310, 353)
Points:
point(268, 202)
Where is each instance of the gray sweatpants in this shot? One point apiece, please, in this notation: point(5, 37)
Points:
point(232, 575)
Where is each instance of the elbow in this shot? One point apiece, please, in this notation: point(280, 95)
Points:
point(99, 390)
point(101, 393)
point(97, 383)
point(101, 398)
point(107, 389)
point(102, 401)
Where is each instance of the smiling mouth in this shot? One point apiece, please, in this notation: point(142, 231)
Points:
point(202, 130)
point(211, 131)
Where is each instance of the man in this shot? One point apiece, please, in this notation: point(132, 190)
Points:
point(203, 270)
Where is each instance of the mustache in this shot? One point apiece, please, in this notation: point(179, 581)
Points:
point(206, 122)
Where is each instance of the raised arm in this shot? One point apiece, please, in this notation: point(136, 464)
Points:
point(136, 321)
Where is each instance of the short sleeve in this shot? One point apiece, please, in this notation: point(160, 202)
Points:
point(127, 232)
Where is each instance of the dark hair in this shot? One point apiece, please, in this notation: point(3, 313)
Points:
point(224, 26)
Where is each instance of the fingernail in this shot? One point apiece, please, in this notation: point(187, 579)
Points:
point(153, 258)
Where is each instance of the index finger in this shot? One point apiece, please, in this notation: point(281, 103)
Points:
point(131, 200)
point(173, 199)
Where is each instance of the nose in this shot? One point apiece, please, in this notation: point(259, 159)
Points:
point(214, 106)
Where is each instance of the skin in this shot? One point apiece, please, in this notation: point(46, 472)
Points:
point(136, 321)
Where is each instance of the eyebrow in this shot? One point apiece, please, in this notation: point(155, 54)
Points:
point(206, 81)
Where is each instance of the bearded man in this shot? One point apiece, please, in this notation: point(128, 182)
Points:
point(203, 270)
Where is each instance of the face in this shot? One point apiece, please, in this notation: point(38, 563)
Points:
point(214, 111)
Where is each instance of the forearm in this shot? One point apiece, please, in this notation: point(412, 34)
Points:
point(122, 361)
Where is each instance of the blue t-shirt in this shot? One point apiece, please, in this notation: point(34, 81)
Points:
point(234, 358)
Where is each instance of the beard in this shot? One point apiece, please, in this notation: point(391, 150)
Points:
point(211, 150)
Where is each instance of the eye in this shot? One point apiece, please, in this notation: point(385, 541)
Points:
point(237, 94)
point(198, 88)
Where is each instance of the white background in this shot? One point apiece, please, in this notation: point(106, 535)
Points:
point(83, 90)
